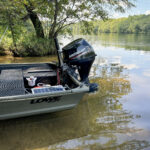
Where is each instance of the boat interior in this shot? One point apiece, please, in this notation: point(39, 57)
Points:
point(13, 77)
point(21, 79)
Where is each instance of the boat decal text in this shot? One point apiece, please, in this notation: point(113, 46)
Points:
point(47, 100)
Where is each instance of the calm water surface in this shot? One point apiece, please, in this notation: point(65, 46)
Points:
point(117, 117)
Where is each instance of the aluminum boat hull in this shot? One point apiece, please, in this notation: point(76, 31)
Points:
point(26, 106)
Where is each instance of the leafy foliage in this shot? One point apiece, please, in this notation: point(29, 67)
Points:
point(32, 46)
point(132, 24)
point(45, 19)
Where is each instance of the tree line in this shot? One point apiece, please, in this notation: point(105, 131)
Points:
point(132, 24)
point(33, 24)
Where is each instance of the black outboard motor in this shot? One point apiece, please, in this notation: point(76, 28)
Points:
point(79, 53)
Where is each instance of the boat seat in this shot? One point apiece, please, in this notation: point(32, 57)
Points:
point(11, 82)
point(39, 72)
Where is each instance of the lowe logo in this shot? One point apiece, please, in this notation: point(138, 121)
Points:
point(47, 100)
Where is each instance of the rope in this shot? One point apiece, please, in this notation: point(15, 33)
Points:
point(3, 34)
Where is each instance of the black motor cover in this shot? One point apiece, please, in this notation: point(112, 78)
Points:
point(81, 54)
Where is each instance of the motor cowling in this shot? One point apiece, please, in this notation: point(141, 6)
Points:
point(79, 53)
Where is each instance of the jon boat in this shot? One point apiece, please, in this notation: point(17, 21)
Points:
point(29, 89)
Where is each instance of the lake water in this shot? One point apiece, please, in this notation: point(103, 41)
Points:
point(116, 117)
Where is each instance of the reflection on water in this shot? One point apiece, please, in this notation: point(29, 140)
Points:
point(127, 41)
point(10, 59)
point(116, 117)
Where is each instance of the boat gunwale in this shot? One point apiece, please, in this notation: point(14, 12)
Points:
point(83, 89)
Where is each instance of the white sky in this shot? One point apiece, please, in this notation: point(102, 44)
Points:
point(142, 7)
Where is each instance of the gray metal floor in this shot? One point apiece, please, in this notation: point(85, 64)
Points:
point(11, 82)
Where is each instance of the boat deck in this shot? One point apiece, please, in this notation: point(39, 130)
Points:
point(11, 82)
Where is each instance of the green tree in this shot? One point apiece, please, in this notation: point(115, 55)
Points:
point(132, 24)
point(62, 13)
point(9, 17)
point(58, 14)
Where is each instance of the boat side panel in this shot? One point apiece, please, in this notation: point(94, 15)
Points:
point(20, 108)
